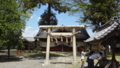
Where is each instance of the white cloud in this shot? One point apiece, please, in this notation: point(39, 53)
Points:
point(29, 32)
point(31, 16)
point(38, 18)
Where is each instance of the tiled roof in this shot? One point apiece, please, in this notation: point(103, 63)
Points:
point(29, 39)
point(104, 32)
point(82, 35)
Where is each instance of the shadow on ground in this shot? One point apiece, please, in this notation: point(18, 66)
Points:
point(4, 58)
point(61, 62)
point(43, 55)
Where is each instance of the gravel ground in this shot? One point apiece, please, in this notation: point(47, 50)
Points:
point(37, 61)
point(57, 60)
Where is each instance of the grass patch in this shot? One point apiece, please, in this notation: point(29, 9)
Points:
point(117, 57)
point(110, 57)
point(28, 53)
point(74, 67)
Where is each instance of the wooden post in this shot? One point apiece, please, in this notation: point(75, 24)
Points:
point(114, 63)
point(48, 48)
point(74, 48)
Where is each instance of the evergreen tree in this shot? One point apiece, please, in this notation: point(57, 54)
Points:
point(12, 22)
point(45, 19)
point(48, 17)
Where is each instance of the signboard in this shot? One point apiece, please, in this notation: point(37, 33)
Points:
point(96, 47)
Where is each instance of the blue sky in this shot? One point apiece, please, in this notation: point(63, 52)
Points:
point(63, 19)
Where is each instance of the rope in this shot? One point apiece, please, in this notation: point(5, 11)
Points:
point(63, 35)
point(71, 40)
point(66, 40)
point(56, 40)
point(51, 39)
point(61, 39)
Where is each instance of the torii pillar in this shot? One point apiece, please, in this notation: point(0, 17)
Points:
point(48, 48)
point(74, 48)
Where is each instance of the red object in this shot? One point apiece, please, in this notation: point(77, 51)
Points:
point(17, 53)
point(24, 51)
point(59, 48)
point(20, 52)
point(81, 47)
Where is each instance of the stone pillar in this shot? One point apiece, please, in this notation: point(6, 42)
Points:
point(74, 48)
point(47, 48)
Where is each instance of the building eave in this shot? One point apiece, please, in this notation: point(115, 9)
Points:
point(101, 35)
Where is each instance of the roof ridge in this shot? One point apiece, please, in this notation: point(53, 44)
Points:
point(113, 20)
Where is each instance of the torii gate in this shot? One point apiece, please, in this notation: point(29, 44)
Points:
point(72, 34)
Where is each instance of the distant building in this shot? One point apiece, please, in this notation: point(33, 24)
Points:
point(29, 43)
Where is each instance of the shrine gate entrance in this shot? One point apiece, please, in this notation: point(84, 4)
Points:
point(63, 34)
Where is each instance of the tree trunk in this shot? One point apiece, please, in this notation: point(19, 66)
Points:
point(49, 11)
point(8, 52)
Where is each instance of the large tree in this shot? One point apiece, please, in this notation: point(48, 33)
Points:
point(57, 5)
point(12, 22)
point(96, 12)
point(48, 17)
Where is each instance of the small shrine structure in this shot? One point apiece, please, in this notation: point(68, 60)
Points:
point(108, 34)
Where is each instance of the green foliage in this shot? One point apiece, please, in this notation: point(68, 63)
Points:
point(32, 4)
point(48, 17)
point(99, 12)
point(87, 47)
point(29, 4)
point(12, 23)
point(95, 13)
